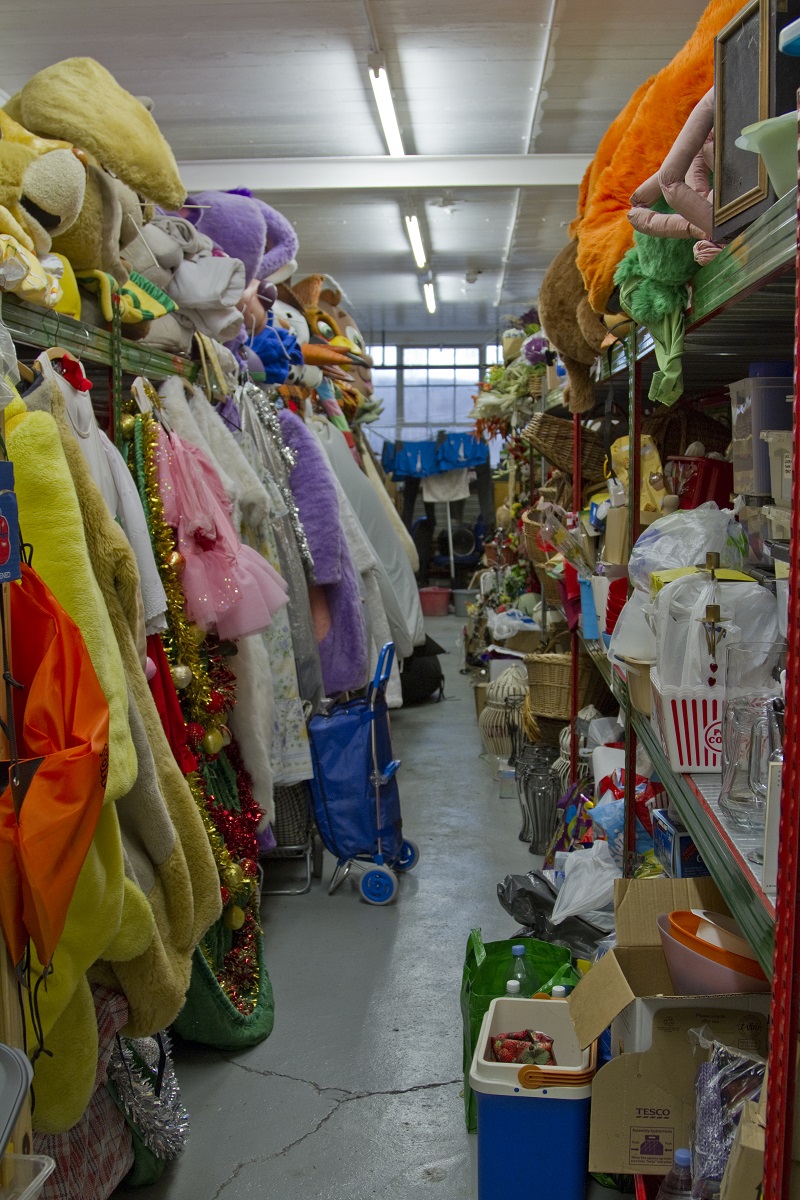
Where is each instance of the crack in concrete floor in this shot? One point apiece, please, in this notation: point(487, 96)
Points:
point(342, 1097)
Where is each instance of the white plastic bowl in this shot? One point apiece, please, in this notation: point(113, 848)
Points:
point(694, 975)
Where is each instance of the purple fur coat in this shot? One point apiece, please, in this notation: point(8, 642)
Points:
point(343, 651)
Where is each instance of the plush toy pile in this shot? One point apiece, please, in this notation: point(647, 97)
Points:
point(643, 223)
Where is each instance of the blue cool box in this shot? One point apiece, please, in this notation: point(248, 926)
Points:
point(533, 1124)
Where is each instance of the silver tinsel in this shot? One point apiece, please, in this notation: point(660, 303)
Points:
point(259, 417)
point(161, 1120)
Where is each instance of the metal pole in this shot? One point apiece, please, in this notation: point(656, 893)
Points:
point(634, 504)
point(786, 971)
point(450, 547)
point(575, 644)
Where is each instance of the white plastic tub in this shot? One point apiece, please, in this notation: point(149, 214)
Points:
point(22, 1176)
point(758, 402)
point(779, 442)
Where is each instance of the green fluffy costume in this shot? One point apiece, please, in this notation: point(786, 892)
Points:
point(653, 280)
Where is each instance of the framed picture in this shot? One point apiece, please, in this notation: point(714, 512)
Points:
point(742, 97)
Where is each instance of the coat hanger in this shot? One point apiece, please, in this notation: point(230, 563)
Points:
point(55, 354)
point(25, 372)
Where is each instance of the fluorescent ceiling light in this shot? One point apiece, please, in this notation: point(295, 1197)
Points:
point(383, 98)
point(430, 297)
point(415, 237)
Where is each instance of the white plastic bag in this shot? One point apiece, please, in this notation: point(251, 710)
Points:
point(683, 538)
point(588, 884)
point(748, 611)
point(632, 636)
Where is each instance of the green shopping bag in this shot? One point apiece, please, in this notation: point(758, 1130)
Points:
point(487, 969)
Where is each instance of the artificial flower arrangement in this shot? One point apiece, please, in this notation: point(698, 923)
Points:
point(508, 392)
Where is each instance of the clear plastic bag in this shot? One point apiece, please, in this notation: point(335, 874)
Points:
point(683, 538)
point(723, 1083)
point(588, 886)
point(530, 899)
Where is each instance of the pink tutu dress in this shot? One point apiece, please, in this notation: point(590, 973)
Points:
point(230, 589)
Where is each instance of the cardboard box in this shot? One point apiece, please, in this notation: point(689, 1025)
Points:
point(675, 849)
point(659, 579)
point(525, 642)
point(745, 1169)
point(616, 543)
point(643, 1101)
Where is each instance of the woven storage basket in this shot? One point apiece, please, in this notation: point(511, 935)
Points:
point(536, 386)
point(554, 437)
point(550, 589)
point(531, 529)
point(672, 429)
point(550, 682)
point(540, 730)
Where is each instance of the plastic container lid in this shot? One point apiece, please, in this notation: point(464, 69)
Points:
point(683, 1158)
point(512, 987)
point(16, 1075)
point(517, 950)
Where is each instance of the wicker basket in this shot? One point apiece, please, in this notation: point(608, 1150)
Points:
point(540, 730)
point(550, 589)
point(554, 438)
point(536, 386)
point(550, 682)
point(531, 529)
point(672, 429)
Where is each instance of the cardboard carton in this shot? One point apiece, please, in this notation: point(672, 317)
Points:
point(616, 542)
point(743, 1174)
point(675, 849)
point(643, 1100)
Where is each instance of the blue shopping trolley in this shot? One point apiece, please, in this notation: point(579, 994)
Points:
point(354, 790)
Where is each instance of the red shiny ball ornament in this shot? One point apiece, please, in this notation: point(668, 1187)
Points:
point(249, 867)
point(216, 702)
point(225, 894)
point(194, 735)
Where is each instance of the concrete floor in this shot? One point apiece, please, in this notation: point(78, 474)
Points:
point(357, 1093)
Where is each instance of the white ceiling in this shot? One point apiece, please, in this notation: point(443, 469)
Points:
point(278, 79)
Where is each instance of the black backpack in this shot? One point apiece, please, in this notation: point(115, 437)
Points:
point(422, 673)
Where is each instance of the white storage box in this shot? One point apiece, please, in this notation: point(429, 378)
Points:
point(758, 402)
point(779, 442)
point(779, 521)
point(22, 1176)
point(690, 726)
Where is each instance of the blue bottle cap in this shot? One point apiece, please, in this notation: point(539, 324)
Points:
point(683, 1158)
point(517, 950)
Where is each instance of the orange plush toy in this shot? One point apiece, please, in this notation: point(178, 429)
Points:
point(567, 318)
point(605, 234)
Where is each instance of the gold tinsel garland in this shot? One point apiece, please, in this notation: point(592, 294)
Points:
point(182, 643)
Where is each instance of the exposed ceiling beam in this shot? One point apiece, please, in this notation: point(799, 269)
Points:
point(383, 173)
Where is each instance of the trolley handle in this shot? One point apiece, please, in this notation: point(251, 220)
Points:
point(383, 669)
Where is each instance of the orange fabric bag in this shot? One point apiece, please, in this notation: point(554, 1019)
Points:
point(61, 721)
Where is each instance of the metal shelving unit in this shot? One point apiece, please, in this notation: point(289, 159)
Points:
point(42, 327)
point(745, 305)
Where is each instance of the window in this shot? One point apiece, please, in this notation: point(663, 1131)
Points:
point(425, 388)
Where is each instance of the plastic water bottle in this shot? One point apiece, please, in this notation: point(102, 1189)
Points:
point(523, 971)
point(678, 1184)
point(559, 992)
point(512, 988)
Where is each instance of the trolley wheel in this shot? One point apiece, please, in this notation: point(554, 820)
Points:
point(317, 856)
point(408, 856)
point(378, 885)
